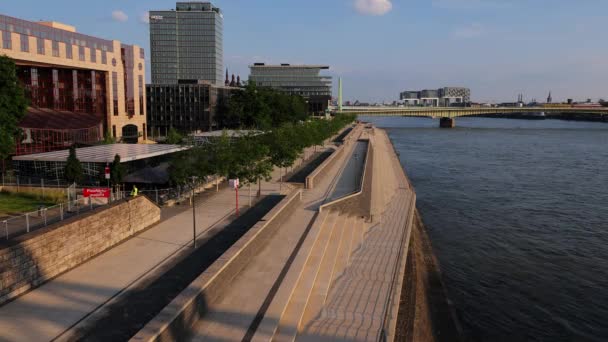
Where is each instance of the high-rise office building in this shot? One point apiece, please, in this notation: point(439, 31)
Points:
point(442, 97)
point(303, 80)
point(187, 44)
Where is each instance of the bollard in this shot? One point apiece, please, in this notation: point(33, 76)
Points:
point(156, 196)
point(61, 211)
point(27, 222)
point(90, 203)
point(45, 211)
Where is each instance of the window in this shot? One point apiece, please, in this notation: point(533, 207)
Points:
point(40, 45)
point(104, 57)
point(7, 42)
point(93, 55)
point(55, 49)
point(141, 94)
point(25, 43)
point(114, 131)
point(68, 51)
point(81, 53)
point(115, 92)
point(142, 55)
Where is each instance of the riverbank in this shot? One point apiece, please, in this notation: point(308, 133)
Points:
point(425, 312)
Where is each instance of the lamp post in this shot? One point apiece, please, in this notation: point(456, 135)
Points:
point(193, 215)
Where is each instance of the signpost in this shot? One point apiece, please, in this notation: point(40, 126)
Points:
point(234, 183)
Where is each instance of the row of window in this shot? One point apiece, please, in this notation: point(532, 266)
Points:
point(44, 32)
point(40, 48)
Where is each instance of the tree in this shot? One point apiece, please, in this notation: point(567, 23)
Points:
point(13, 106)
point(108, 139)
point(73, 169)
point(117, 171)
point(173, 137)
point(251, 162)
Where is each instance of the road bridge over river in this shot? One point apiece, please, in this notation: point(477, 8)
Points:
point(448, 114)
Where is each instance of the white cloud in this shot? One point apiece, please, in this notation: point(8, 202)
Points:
point(373, 7)
point(145, 18)
point(120, 16)
point(467, 32)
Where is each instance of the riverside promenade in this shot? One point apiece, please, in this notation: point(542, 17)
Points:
point(325, 263)
point(333, 270)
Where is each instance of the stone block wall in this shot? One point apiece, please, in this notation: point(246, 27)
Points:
point(30, 260)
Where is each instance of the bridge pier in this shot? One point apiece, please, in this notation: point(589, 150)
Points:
point(447, 123)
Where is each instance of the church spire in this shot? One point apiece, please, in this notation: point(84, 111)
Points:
point(227, 81)
point(549, 98)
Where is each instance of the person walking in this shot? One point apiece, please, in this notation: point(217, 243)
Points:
point(134, 191)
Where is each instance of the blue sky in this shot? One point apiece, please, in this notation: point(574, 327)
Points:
point(498, 48)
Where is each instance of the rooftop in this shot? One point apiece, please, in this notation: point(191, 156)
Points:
point(301, 66)
point(106, 153)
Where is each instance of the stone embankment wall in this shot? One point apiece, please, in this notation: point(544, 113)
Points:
point(176, 319)
point(30, 260)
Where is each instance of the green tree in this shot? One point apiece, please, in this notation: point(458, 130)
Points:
point(173, 137)
point(117, 171)
point(12, 107)
point(73, 169)
point(108, 139)
point(251, 161)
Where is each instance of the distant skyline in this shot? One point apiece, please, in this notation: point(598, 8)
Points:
point(498, 48)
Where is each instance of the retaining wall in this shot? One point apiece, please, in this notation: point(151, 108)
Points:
point(317, 175)
point(176, 320)
point(31, 259)
point(358, 203)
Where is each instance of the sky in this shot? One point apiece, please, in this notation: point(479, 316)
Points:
point(498, 48)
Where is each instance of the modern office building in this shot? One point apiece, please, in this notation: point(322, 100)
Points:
point(442, 97)
point(79, 87)
point(303, 80)
point(187, 43)
point(186, 107)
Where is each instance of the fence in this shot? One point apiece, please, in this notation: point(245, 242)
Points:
point(44, 216)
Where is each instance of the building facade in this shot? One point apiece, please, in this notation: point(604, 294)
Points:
point(187, 43)
point(186, 107)
point(79, 87)
point(303, 80)
point(442, 97)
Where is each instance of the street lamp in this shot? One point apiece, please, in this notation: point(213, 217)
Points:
point(193, 215)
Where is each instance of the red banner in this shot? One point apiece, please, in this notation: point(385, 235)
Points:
point(96, 192)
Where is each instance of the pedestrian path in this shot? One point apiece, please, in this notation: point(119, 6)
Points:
point(55, 307)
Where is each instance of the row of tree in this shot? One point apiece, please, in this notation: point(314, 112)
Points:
point(260, 108)
point(251, 157)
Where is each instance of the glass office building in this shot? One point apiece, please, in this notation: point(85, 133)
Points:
point(303, 80)
point(187, 43)
point(442, 97)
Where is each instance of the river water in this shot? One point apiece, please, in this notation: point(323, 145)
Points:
point(517, 212)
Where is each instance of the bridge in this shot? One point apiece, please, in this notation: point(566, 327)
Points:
point(448, 114)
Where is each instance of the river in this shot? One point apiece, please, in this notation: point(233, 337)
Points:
point(517, 212)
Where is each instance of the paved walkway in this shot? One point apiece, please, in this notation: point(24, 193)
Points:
point(48, 311)
point(231, 318)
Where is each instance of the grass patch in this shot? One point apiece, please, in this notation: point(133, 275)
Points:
point(17, 203)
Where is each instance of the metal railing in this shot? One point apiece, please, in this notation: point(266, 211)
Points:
point(44, 216)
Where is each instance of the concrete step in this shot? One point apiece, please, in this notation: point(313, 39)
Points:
point(346, 247)
point(324, 276)
point(290, 319)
